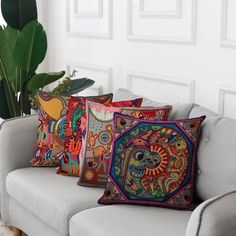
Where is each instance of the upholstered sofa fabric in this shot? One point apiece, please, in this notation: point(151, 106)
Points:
point(206, 220)
point(216, 177)
point(129, 220)
point(52, 198)
point(216, 155)
point(32, 225)
point(20, 133)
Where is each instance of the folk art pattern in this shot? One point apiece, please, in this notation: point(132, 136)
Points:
point(51, 129)
point(153, 163)
point(128, 103)
point(75, 132)
point(52, 125)
point(99, 138)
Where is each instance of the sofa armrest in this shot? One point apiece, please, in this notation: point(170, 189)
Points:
point(17, 146)
point(214, 217)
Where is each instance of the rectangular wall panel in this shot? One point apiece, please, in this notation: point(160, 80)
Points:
point(161, 88)
point(179, 30)
point(84, 10)
point(227, 101)
point(228, 31)
point(89, 19)
point(100, 74)
point(160, 8)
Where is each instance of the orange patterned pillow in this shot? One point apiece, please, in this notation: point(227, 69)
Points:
point(95, 158)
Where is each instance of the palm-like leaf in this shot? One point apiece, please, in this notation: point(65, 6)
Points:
point(31, 47)
point(79, 85)
point(39, 81)
point(11, 99)
point(18, 76)
point(24, 99)
point(17, 13)
point(12, 36)
point(6, 56)
point(4, 110)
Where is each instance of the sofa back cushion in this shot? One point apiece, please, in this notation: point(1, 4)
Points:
point(216, 155)
point(179, 111)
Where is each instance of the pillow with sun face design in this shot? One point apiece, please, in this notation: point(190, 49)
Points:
point(153, 163)
point(95, 157)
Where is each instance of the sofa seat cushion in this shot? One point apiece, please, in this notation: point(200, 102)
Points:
point(51, 197)
point(129, 220)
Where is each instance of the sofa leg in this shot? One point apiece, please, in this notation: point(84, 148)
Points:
point(17, 232)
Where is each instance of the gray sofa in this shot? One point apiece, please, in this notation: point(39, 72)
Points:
point(42, 203)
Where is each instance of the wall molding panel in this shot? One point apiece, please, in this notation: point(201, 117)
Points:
point(131, 35)
point(223, 91)
point(225, 41)
point(162, 79)
point(160, 14)
point(90, 16)
point(102, 85)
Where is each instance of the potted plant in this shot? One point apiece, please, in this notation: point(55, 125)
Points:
point(23, 46)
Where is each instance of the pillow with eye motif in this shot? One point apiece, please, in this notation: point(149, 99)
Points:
point(52, 123)
point(95, 158)
point(76, 129)
point(153, 163)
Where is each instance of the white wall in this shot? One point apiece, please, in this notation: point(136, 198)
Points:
point(169, 50)
point(2, 22)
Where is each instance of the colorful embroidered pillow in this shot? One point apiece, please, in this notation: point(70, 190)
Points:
point(99, 139)
point(76, 130)
point(153, 163)
point(76, 122)
point(129, 103)
point(51, 129)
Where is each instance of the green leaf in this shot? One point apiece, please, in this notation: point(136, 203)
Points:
point(18, 78)
point(6, 56)
point(31, 47)
point(4, 110)
point(11, 98)
point(41, 80)
point(24, 99)
point(17, 13)
point(12, 36)
point(79, 85)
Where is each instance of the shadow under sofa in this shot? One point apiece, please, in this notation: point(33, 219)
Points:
point(42, 203)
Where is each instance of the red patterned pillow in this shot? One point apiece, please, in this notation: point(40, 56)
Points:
point(76, 117)
point(76, 129)
point(153, 163)
point(95, 158)
point(129, 103)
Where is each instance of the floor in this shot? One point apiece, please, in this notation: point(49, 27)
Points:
point(4, 231)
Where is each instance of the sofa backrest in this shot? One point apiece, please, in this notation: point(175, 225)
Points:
point(180, 111)
point(216, 154)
